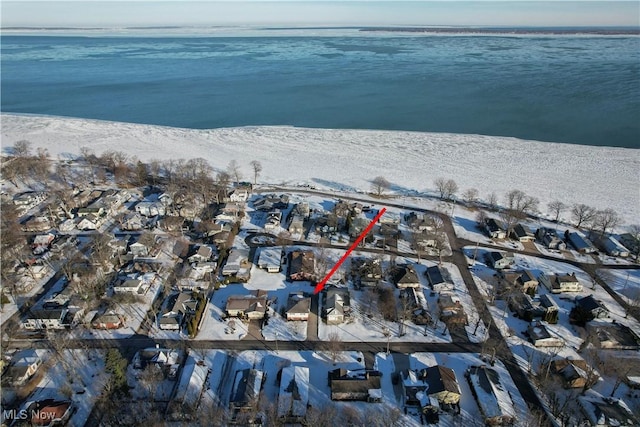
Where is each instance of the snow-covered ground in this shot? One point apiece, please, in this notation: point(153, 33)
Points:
point(624, 282)
point(602, 177)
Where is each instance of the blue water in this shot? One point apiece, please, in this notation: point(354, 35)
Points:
point(583, 90)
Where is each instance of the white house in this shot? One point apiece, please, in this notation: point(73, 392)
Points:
point(560, 283)
point(47, 319)
point(270, 259)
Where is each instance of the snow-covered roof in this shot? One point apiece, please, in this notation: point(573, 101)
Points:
point(492, 397)
point(294, 391)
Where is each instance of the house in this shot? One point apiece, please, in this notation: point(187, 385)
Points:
point(181, 306)
point(239, 195)
point(246, 388)
point(436, 382)
point(204, 253)
point(390, 218)
point(150, 209)
point(24, 364)
point(302, 209)
point(336, 304)
point(298, 306)
point(630, 241)
point(357, 225)
point(451, 310)
point(560, 283)
point(140, 249)
point(363, 385)
point(110, 320)
point(613, 336)
point(301, 265)
point(237, 263)
point(495, 228)
point(247, 306)
point(419, 222)
point(522, 233)
point(297, 225)
point(405, 277)
point(499, 260)
point(540, 336)
point(29, 198)
point(613, 247)
point(168, 360)
point(270, 259)
point(47, 319)
point(42, 242)
point(49, 412)
point(128, 285)
point(189, 389)
point(37, 224)
point(271, 201)
point(414, 388)
point(574, 372)
point(523, 280)
point(492, 397)
point(606, 411)
point(437, 282)
point(443, 385)
point(590, 308)
point(293, 397)
point(550, 238)
point(90, 222)
point(273, 220)
point(369, 271)
point(580, 243)
point(133, 222)
point(528, 308)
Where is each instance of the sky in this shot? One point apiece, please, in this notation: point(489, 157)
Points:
point(88, 13)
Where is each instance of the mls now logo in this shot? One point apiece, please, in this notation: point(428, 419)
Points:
point(23, 414)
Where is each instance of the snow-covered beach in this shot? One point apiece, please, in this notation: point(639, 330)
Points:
point(602, 177)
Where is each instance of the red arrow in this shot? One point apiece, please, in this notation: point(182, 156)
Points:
point(320, 285)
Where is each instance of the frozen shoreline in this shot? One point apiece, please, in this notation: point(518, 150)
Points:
point(602, 177)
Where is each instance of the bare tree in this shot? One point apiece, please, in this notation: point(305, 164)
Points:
point(582, 213)
point(150, 377)
point(379, 185)
point(257, 168)
point(334, 346)
point(470, 196)
point(233, 169)
point(556, 207)
point(446, 187)
point(22, 148)
point(492, 200)
point(481, 217)
point(605, 220)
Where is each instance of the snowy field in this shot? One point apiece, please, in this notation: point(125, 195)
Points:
point(602, 177)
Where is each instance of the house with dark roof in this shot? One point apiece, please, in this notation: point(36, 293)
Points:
point(590, 308)
point(550, 238)
point(47, 319)
point(580, 243)
point(615, 336)
point(405, 277)
point(301, 265)
point(369, 271)
point(246, 389)
point(495, 228)
point(540, 336)
point(442, 384)
point(179, 307)
point(361, 385)
point(522, 233)
point(24, 364)
point(574, 372)
point(249, 306)
point(606, 411)
point(436, 279)
point(499, 260)
point(298, 306)
point(293, 397)
point(110, 320)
